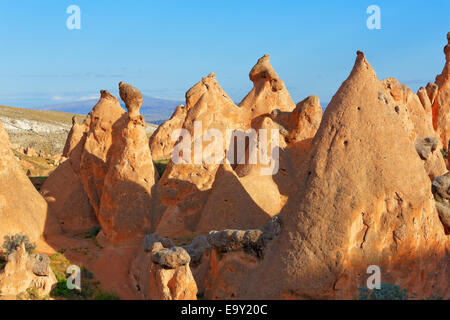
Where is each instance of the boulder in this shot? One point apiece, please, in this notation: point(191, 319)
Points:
point(441, 186)
point(164, 274)
point(444, 213)
point(425, 147)
point(171, 258)
point(23, 272)
point(414, 111)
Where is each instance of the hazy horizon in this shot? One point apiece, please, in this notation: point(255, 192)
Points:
point(164, 48)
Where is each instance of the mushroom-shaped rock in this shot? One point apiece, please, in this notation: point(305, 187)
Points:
point(126, 203)
point(132, 98)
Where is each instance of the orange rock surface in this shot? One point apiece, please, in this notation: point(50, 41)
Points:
point(22, 209)
point(161, 143)
point(361, 200)
point(441, 103)
point(125, 205)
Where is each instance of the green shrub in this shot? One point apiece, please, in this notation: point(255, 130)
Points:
point(89, 287)
point(444, 153)
point(388, 291)
point(94, 231)
point(106, 296)
point(161, 166)
point(12, 243)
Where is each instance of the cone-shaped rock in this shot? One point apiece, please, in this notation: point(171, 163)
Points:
point(125, 205)
point(363, 198)
point(161, 143)
point(64, 190)
point(441, 104)
point(416, 117)
point(106, 121)
point(22, 209)
point(268, 93)
point(184, 188)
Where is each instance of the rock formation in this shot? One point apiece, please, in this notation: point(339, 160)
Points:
point(125, 202)
point(161, 143)
point(26, 272)
point(200, 197)
point(358, 203)
point(441, 100)
point(111, 172)
point(268, 93)
point(106, 121)
point(76, 133)
point(415, 114)
point(22, 209)
point(68, 202)
point(184, 188)
point(260, 189)
point(441, 191)
point(163, 273)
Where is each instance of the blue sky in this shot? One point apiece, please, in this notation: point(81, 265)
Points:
point(165, 47)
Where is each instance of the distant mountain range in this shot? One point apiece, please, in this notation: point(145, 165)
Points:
point(155, 110)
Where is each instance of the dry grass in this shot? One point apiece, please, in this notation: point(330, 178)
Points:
point(50, 117)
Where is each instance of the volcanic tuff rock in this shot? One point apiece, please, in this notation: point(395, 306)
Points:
point(201, 197)
point(68, 202)
point(441, 100)
point(125, 203)
point(111, 170)
point(164, 273)
point(22, 209)
point(161, 143)
point(106, 121)
point(415, 114)
point(184, 188)
point(23, 272)
point(441, 186)
point(248, 194)
point(268, 93)
point(358, 203)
